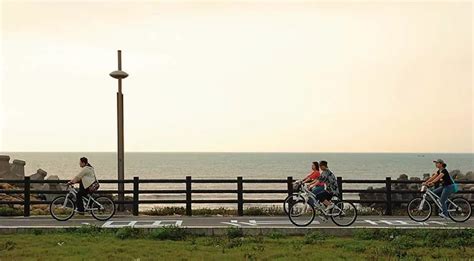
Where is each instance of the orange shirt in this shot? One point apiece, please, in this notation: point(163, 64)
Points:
point(314, 175)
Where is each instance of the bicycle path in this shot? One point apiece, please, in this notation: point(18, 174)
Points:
point(223, 222)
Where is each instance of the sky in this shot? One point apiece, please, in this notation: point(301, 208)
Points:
point(233, 76)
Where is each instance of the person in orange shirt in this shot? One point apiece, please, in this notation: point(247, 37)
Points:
point(313, 179)
point(313, 175)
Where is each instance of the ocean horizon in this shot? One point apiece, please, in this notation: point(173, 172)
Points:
point(367, 165)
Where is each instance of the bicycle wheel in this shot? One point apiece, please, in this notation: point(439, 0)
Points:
point(61, 208)
point(301, 213)
point(419, 209)
point(290, 200)
point(343, 213)
point(459, 209)
point(103, 208)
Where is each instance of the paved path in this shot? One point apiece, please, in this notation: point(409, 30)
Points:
point(222, 222)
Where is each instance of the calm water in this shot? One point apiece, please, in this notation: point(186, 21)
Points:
point(231, 165)
point(248, 165)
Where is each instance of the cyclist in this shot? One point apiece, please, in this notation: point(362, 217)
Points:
point(448, 185)
point(331, 188)
point(314, 184)
point(86, 179)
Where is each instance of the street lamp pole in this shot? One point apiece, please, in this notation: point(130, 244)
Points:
point(119, 75)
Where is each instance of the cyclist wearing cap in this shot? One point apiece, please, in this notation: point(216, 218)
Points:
point(448, 185)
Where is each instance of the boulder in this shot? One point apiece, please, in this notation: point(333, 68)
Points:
point(4, 166)
point(426, 176)
point(53, 187)
point(470, 175)
point(403, 177)
point(39, 175)
point(457, 174)
point(17, 170)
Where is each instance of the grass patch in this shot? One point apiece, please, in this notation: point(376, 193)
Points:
point(172, 243)
point(168, 233)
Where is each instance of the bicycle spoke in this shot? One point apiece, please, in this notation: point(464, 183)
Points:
point(419, 209)
point(102, 208)
point(301, 213)
point(459, 209)
point(343, 213)
point(61, 208)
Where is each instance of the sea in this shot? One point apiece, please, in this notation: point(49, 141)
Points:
point(158, 165)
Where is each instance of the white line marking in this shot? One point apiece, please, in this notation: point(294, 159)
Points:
point(109, 224)
point(232, 224)
point(371, 222)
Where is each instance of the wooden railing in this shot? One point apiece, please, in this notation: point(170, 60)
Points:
point(189, 191)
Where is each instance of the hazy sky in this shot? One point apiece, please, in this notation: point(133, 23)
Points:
point(238, 76)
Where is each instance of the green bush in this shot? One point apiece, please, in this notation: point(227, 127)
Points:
point(275, 235)
point(377, 234)
point(168, 233)
point(85, 229)
point(354, 247)
point(234, 232)
point(127, 233)
point(8, 212)
point(313, 238)
point(234, 242)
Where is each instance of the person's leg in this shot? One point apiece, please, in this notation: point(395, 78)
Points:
point(447, 191)
point(317, 189)
point(80, 194)
point(328, 201)
point(324, 197)
point(438, 191)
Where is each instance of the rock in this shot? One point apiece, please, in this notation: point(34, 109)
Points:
point(426, 176)
point(17, 170)
point(56, 186)
point(456, 174)
point(4, 166)
point(39, 175)
point(53, 187)
point(403, 177)
point(469, 175)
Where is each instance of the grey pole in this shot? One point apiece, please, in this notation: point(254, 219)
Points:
point(119, 75)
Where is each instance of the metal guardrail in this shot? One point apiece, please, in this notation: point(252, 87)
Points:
point(189, 191)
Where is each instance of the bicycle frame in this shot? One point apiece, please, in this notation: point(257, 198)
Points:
point(435, 198)
point(307, 194)
point(86, 200)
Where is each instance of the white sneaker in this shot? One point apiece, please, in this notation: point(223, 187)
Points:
point(443, 215)
point(329, 207)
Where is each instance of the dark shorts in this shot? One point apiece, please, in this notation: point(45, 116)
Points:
point(324, 195)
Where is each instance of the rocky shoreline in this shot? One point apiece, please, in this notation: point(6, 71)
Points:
point(456, 174)
point(16, 171)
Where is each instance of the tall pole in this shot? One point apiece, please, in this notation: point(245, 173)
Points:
point(119, 75)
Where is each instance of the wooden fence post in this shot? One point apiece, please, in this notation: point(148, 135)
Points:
point(26, 200)
point(388, 195)
point(136, 189)
point(240, 196)
point(189, 210)
point(289, 182)
point(339, 186)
